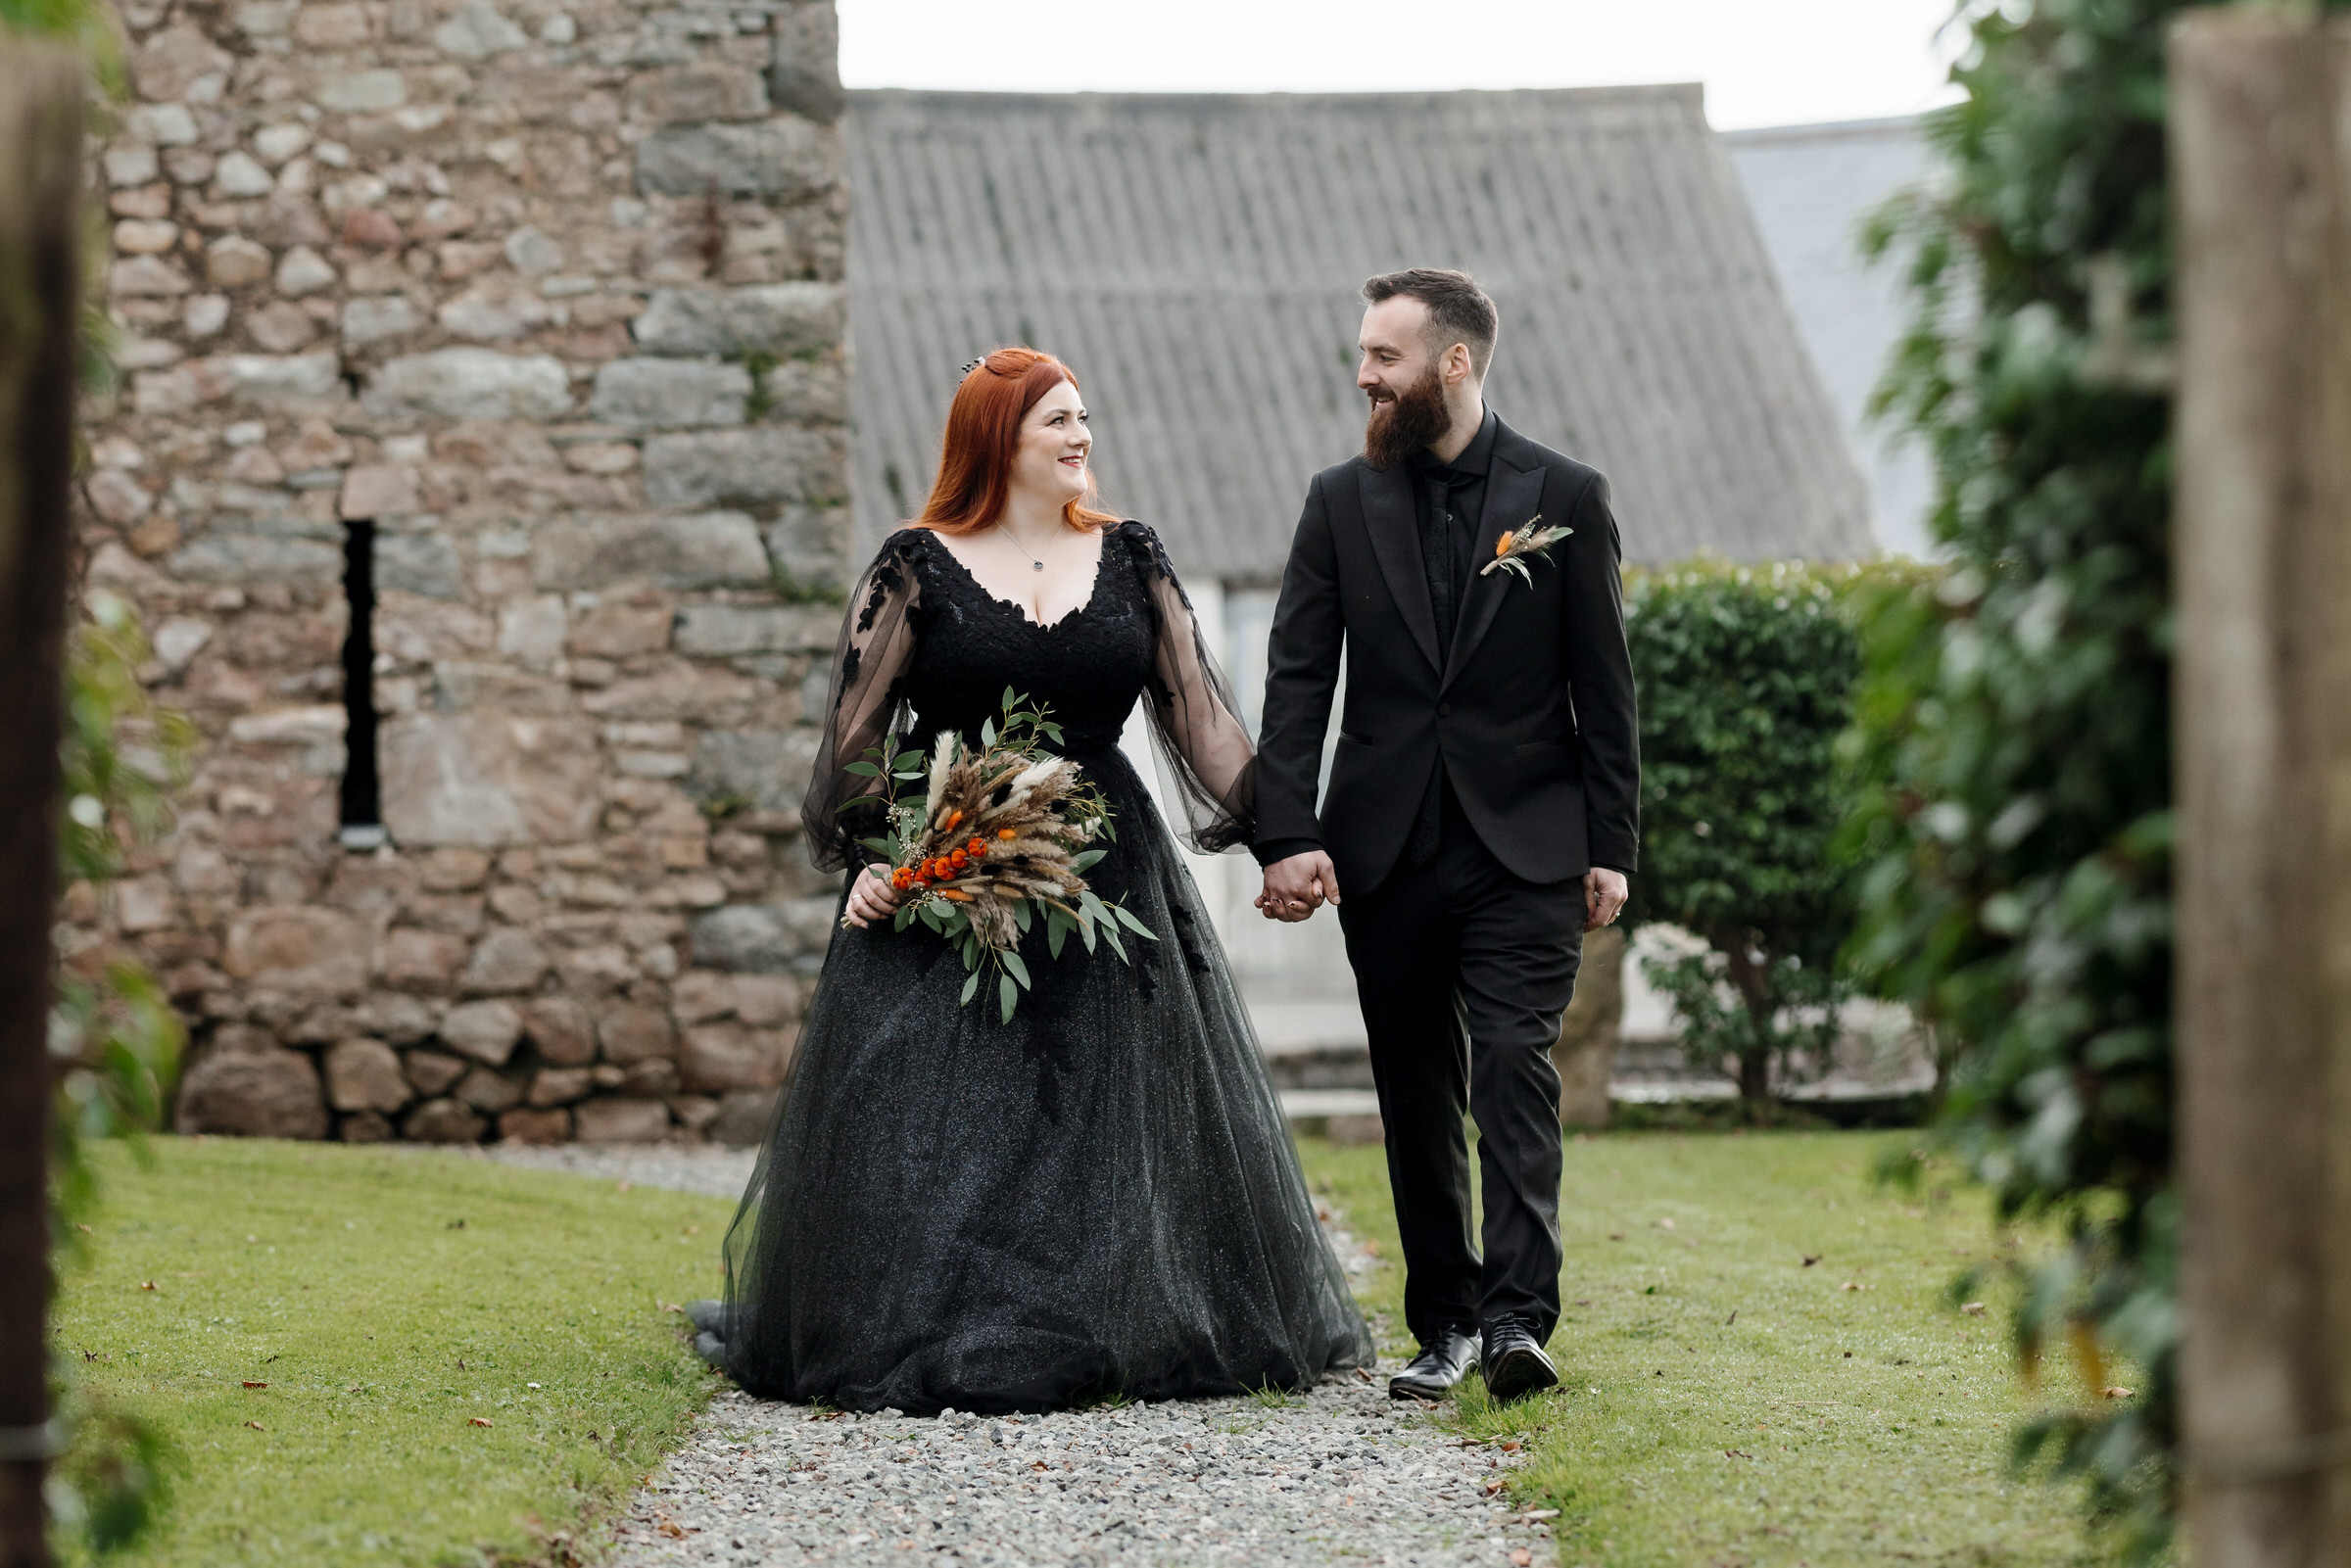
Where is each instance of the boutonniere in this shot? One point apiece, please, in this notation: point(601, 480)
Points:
point(1518, 544)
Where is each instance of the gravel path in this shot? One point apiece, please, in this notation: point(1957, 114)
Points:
point(1339, 1474)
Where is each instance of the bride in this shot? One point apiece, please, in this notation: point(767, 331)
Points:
point(1099, 1197)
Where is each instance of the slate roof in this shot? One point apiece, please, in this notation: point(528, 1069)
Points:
point(1812, 188)
point(1196, 259)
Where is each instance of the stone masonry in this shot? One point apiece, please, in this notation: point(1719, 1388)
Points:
point(547, 292)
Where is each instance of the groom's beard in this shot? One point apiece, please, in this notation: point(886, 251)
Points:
point(1417, 417)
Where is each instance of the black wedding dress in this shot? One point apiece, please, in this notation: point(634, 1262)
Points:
point(1099, 1197)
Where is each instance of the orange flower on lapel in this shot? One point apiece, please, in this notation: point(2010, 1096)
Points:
point(1517, 546)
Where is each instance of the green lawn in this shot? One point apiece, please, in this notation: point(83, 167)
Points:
point(1724, 1403)
point(389, 1301)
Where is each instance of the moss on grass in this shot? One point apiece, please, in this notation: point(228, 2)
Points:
point(389, 1300)
point(1724, 1403)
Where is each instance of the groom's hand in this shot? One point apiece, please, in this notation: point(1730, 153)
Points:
point(1605, 893)
point(1298, 886)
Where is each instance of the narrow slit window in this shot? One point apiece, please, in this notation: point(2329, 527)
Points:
point(362, 803)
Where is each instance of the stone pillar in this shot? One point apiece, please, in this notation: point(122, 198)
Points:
point(550, 295)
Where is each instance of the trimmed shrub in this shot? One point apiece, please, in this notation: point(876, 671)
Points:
point(1745, 678)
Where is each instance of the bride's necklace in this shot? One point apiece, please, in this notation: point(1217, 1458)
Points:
point(1035, 562)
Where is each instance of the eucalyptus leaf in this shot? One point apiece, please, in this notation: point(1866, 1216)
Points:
point(1008, 997)
point(1016, 966)
point(971, 989)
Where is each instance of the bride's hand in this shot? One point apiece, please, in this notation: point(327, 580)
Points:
point(871, 897)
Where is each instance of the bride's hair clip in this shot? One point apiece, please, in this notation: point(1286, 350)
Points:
point(970, 365)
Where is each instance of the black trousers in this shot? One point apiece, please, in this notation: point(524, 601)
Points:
point(1464, 971)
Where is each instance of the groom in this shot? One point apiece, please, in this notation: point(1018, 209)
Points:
point(1482, 809)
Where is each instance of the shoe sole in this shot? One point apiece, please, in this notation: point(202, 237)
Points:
point(1518, 1374)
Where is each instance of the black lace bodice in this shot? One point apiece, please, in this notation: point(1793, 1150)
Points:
point(925, 649)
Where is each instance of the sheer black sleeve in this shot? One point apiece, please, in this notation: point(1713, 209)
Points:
point(863, 704)
point(1205, 754)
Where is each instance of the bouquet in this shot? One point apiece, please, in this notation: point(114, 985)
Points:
point(997, 842)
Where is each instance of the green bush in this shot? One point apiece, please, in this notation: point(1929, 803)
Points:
point(1745, 678)
point(2013, 821)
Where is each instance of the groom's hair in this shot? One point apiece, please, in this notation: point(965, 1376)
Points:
point(1458, 311)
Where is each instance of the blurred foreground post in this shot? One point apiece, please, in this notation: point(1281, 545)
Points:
point(2263, 193)
point(40, 180)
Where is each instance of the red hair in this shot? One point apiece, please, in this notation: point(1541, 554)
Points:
point(983, 432)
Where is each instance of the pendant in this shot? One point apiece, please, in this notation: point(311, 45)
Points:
point(1038, 565)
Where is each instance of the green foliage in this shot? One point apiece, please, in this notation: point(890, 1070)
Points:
point(114, 1036)
point(2013, 825)
point(1745, 676)
point(85, 25)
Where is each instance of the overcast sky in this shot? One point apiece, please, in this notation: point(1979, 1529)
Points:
point(1763, 62)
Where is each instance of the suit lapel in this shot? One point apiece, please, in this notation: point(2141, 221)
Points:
point(1514, 495)
point(1388, 517)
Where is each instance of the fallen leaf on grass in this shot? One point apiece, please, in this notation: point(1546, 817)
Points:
point(1666, 1223)
point(1852, 1284)
point(1362, 1376)
point(670, 1306)
point(1522, 1557)
point(146, 1284)
point(256, 1426)
point(1972, 1308)
point(1494, 1486)
point(1736, 1453)
point(1538, 1515)
point(477, 1420)
point(669, 1528)
point(1512, 1445)
point(1615, 1235)
point(2118, 1394)
point(257, 1385)
point(1810, 1258)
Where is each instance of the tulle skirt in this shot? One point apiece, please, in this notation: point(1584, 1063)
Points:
point(1098, 1198)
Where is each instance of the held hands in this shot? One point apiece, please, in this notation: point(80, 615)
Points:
point(1605, 893)
point(1298, 886)
point(871, 897)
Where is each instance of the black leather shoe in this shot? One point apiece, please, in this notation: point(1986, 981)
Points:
point(1515, 1362)
point(1442, 1363)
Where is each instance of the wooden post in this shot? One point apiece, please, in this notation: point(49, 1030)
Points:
point(2263, 563)
point(40, 287)
point(1586, 1049)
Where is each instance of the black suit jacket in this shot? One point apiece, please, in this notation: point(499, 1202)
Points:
point(1531, 707)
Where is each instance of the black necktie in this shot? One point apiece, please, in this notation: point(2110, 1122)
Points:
point(1437, 558)
point(1437, 554)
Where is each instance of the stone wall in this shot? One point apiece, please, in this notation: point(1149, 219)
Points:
point(549, 294)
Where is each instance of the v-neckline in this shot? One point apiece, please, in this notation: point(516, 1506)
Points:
point(1093, 590)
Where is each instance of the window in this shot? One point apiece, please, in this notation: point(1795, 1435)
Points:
point(362, 805)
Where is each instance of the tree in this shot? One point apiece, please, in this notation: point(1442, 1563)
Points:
point(1745, 675)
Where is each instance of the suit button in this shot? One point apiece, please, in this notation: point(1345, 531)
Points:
point(1444, 710)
